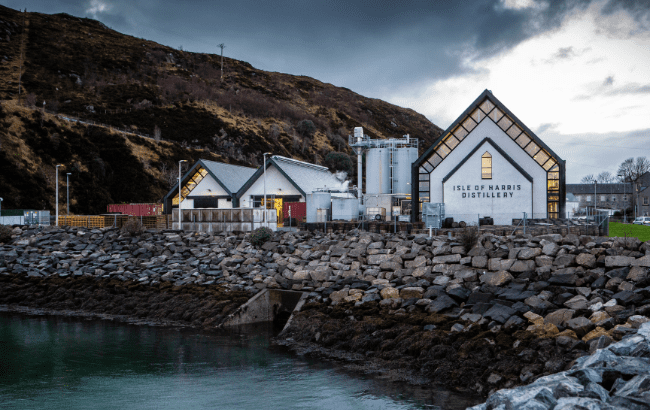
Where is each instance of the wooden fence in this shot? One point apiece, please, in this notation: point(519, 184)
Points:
point(117, 221)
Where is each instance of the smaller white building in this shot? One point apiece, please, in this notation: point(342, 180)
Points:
point(287, 180)
point(209, 184)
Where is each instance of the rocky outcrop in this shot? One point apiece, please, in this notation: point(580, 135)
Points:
point(614, 377)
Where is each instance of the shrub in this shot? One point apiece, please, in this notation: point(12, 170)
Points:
point(5, 233)
point(133, 227)
point(469, 237)
point(260, 235)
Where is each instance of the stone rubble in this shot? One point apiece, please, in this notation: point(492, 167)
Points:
point(583, 291)
point(613, 377)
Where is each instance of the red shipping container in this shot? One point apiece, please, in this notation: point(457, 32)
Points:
point(136, 209)
point(298, 210)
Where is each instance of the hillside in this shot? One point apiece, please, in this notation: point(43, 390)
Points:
point(80, 68)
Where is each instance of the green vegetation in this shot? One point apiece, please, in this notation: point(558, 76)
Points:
point(261, 235)
point(5, 234)
point(630, 230)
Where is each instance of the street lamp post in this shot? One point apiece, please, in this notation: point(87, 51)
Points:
point(265, 215)
point(624, 208)
point(636, 203)
point(67, 185)
point(595, 196)
point(56, 200)
point(179, 193)
point(1, 206)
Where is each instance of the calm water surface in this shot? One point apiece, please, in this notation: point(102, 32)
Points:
point(49, 362)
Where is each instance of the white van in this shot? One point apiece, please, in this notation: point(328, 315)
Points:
point(642, 220)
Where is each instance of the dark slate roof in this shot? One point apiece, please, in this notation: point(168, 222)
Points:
point(588, 189)
point(306, 177)
point(487, 94)
point(232, 176)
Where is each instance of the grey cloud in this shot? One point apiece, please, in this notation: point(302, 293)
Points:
point(372, 47)
point(631, 88)
point(592, 153)
point(545, 127)
point(609, 81)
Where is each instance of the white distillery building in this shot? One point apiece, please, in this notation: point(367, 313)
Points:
point(287, 180)
point(209, 184)
point(489, 164)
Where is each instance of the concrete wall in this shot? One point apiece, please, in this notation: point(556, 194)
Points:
point(507, 195)
point(266, 306)
point(12, 220)
point(225, 220)
point(487, 129)
point(276, 184)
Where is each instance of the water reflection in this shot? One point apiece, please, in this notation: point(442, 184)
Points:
point(49, 362)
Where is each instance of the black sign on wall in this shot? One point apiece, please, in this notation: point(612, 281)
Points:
point(206, 202)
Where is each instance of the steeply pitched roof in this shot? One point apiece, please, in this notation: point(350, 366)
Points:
point(232, 177)
point(604, 189)
point(488, 106)
point(306, 177)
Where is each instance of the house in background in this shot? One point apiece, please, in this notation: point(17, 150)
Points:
point(619, 196)
point(602, 196)
point(209, 184)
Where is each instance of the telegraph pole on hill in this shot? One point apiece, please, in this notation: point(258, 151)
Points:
point(222, 45)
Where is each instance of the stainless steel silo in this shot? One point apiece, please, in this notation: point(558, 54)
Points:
point(378, 171)
point(403, 159)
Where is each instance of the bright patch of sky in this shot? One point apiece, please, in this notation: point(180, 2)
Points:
point(591, 77)
point(96, 7)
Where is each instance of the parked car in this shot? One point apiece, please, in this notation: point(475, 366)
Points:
point(642, 220)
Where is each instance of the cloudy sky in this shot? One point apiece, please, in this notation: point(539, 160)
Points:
point(577, 72)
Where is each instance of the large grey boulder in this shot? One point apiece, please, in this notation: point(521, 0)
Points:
point(499, 313)
point(496, 278)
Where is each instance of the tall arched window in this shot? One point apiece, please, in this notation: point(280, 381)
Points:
point(486, 166)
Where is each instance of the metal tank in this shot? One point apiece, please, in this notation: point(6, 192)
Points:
point(346, 209)
point(316, 201)
point(378, 171)
point(403, 159)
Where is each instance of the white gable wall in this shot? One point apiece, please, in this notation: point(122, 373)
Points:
point(488, 129)
point(467, 196)
point(276, 184)
point(207, 187)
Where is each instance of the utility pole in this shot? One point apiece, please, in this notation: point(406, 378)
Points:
point(222, 45)
point(20, 69)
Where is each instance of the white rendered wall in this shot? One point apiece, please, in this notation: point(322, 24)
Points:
point(507, 195)
point(488, 129)
point(207, 187)
point(276, 184)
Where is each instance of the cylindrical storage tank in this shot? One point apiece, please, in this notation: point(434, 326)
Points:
point(402, 162)
point(378, 171)
point(316, 201)
point(346, 209)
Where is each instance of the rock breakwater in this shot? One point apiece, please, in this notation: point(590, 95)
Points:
point(504, 313)
point(615, 377)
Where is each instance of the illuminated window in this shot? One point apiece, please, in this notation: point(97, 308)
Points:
point(486, 166)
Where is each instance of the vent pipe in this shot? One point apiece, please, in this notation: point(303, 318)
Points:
point(358, 136)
